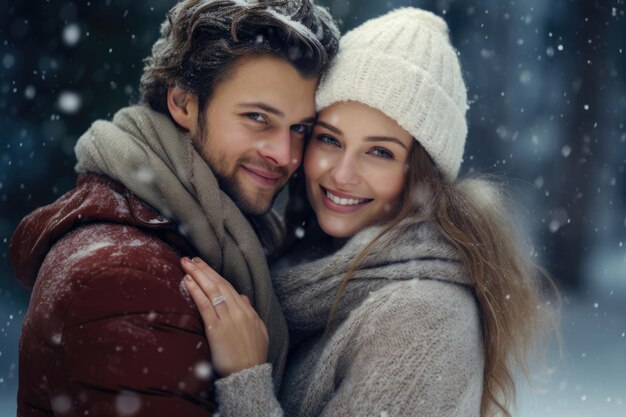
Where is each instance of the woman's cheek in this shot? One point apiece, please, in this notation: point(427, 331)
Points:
point(315, 162)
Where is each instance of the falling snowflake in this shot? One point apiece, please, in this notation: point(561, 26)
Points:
point(202, 370)
point(61, 404)
point(71, 34)
point(69, 102)
point(566, 151)
point(127, 403)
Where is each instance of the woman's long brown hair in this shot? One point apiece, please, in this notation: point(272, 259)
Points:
point(473, 217)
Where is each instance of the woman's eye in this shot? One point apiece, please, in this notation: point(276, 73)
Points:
point(328, 140)
point(257, 117)
point(383, 153)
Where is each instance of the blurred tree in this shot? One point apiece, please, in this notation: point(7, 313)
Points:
point(588, 78)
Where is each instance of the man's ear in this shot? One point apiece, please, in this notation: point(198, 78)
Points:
point(183, 107)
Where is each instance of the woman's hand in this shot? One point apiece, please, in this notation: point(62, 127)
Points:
point(236, 334)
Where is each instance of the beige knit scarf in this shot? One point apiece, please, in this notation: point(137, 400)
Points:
point(145, 151)
point(416, 251)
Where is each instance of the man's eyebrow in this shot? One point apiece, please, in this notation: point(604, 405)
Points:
point(308, 120)
point(329, 127)
point(385, 139)
point(264, 107)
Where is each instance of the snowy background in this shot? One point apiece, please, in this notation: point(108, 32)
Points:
point(547, 84)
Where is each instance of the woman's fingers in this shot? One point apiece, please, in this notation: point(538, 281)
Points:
point(205, 307)
point(219, 297)
point(239, 337)
point(226, 300)
point(210, 280)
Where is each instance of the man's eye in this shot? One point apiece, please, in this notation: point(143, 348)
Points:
point(257, 117)
point(304, 129)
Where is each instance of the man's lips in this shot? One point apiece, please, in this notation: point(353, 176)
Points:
point(265, 177)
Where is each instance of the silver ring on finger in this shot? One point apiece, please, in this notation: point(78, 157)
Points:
point(217, 300)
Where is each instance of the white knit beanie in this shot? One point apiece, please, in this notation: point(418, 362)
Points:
point(403, 64)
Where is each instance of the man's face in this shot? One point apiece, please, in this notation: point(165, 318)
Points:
point(254, 129)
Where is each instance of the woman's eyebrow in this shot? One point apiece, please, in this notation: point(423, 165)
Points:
point(386, 139)
point(329, 127)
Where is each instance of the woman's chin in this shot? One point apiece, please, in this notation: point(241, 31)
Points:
point(338, 228)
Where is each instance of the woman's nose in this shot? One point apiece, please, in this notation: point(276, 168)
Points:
point(345, 172)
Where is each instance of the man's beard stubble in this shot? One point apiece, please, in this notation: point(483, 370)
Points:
point(227, 181)
point(231, 187)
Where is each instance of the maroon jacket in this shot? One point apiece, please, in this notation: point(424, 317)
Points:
point(109, 330)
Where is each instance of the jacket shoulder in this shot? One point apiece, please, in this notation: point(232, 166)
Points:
point(108, 311)
point(95, 200)
point(102, 270)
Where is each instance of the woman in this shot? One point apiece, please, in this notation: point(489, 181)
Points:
point(419, 301)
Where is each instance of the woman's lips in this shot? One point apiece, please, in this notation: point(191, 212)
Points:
point(341, 202)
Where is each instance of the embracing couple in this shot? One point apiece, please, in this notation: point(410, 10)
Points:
point(393, 288)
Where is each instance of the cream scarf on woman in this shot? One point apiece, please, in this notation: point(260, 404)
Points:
point(145, 151)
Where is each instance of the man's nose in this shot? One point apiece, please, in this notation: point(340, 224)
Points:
point(278, 148)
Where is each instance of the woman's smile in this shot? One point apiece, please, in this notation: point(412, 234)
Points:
point(342, 202)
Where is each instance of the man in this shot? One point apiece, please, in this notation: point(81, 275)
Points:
point(227, 99)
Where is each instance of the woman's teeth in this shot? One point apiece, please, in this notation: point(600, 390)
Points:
point(344, 201)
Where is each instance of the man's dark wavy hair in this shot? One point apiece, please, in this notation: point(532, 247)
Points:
point(202, 39)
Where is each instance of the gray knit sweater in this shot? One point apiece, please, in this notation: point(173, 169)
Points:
point(405, 341)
